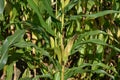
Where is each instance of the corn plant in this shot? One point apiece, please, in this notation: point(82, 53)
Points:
point(59, 39)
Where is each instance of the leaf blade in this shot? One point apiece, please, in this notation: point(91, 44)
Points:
point(42, 22)
point(7, 44)
point(1, 6)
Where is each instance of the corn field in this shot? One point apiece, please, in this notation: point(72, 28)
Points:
point(59, 40)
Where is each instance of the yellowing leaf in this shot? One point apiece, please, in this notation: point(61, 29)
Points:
point(52, 42)
point(118, 33)
point(69, 47)
point(66, 2)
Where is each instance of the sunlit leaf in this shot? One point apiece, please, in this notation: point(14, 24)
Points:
point(9, 71)
point(26, 73)
point(57, 76)
point(69, 47)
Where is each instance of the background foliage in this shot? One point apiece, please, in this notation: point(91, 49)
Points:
point(59, 39)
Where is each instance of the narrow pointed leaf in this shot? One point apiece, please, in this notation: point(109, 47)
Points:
point(1, 6)
point(48, 7)
point(96, 15)
point(97, 41)
point(42, 22)
point(7, 44)
point(69, 47)
point(82, 36)
point(99, 71)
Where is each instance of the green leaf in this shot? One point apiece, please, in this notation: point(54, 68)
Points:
point(101, 13)
point(82, 36)
point(96, 15)
point(47, 5)
point(79, 41)
point(43, 76)
point(9, 72)
point(57, 76)
point(90, 33)
point(42, 22)
point(99, 71)
point(1, 6)
point(24, 44)
point(7, 44)
point(90, 4)
point(26, 73)
point(26, 78)
point(97, 41)
point(70, 5)
point(73, 71)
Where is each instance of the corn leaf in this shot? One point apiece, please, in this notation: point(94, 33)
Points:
point(7, 44)
point(42, 22)
point(47, 5)
point(95, 15)
point(1, 6)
